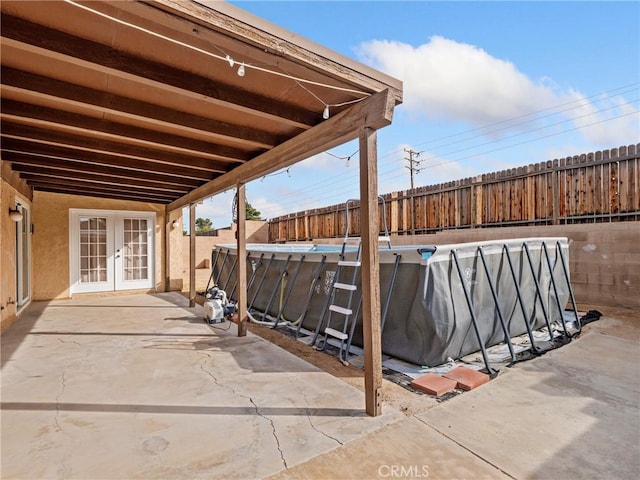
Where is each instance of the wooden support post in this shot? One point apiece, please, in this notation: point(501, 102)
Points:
point(192, 255)
point(241, 243)
point(167, 251)
point(370, 229)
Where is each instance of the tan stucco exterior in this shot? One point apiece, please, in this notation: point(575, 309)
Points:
point(603, 256)
point(51, 239)
point(176, 248)
point(257, 232)
point(9, 196)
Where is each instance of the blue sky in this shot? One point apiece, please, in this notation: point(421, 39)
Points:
point(487, 86)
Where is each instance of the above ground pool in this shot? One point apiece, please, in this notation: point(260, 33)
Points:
point(438, 302)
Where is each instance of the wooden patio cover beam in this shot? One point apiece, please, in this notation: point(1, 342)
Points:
point(87, 181)
point(32, 38)
point(118, 195)
point(112, 157)
point(74, 124)
point(24, 85)
point(25, 162)
point(373, 112)
point(272, 40)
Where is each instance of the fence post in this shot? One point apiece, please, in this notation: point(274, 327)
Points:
point(476, 201)
point(615, 182)
point(394, 207)
point(600, 185)
point(307, 235)
point(556, 192)
point(532, 177)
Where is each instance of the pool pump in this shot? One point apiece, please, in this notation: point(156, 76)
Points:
point(217, 307)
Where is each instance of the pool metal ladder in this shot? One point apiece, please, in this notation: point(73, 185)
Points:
point(350, 310)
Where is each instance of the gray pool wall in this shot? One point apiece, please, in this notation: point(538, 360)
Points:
point(428, 318)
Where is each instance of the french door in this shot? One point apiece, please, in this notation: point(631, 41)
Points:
point(111, 250)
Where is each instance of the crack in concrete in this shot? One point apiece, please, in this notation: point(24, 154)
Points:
point(255, 405)
point(273, 431)
point(213, 377)
point(70, 341)
point(477, 455)
point(308, 408)
point(65, 469)
point(63, 382)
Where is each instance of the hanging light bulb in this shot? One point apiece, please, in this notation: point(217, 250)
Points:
point(241, 70)
point(230, 60)
point(325, 113)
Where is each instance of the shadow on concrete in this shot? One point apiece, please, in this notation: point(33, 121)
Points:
point(181, 409)
point(600, 376)
point(17, 332)
point(179, 332)
point(23, 325)
point(572, 413)
point(190, 319)
point(125, 334)
point(146, 307)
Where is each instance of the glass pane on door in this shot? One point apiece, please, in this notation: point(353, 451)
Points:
point(93, 249)
point(136, 249)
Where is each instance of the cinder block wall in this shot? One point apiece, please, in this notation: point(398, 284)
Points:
point(604, 258)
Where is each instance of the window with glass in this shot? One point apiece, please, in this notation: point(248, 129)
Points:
point(93, 249)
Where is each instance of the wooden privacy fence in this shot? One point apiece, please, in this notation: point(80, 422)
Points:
point(587, 188)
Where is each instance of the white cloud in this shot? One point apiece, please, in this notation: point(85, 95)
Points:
point(271, 209)
point(444, 79)
point(457, 82)
point(610, 123)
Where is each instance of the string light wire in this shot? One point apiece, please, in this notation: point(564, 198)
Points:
point(227, 58)
point(477, 145)
point(483, 132)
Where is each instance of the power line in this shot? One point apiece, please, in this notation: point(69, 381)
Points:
point(483, 130)
point(528, 141)
point(337, 192)
point(477, 145)
point(341, 178)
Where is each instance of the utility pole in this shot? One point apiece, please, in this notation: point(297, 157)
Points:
point(413, 163)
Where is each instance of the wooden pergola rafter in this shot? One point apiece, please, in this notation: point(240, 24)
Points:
point(143, 101)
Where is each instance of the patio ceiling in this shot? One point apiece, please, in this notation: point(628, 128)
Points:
point(143, 100)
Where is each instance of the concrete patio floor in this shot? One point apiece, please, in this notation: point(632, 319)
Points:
point(573, 413)
point(140, 387)
point(121, 387)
